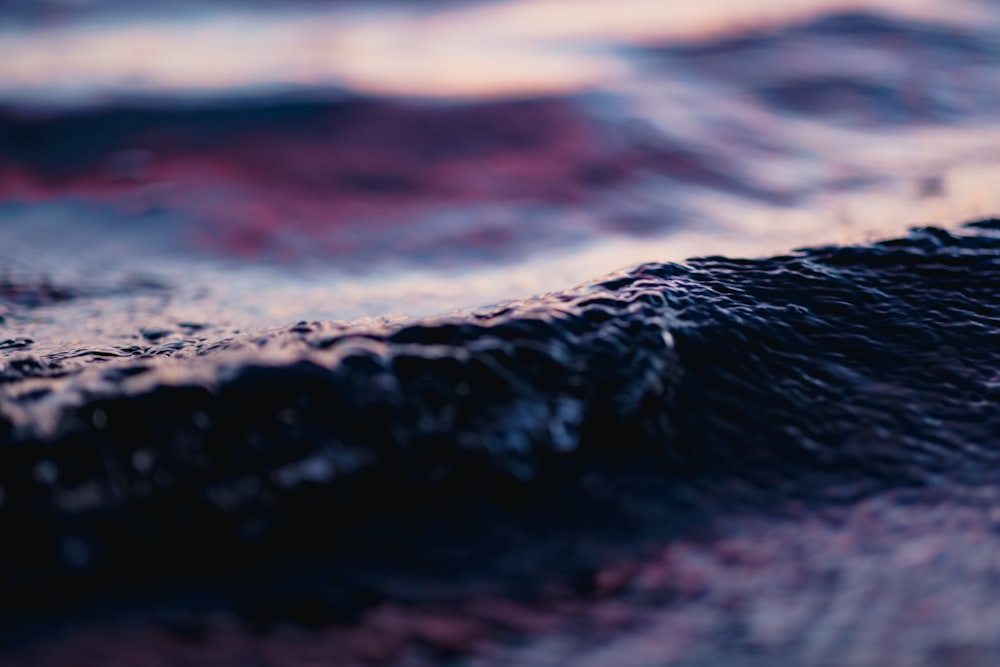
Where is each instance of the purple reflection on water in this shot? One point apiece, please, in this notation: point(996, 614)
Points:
point(334, 160)
point(174, 170)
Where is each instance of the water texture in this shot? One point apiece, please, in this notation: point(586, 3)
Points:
point(256, 406)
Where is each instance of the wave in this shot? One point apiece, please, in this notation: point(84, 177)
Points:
point(823, 375)
point(635, 443)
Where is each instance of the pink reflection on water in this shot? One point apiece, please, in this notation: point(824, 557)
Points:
point(747, 142)
point(510, 48)
point(351, 178)
point(910, 573)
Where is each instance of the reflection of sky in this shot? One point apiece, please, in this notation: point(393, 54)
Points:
point(601, 134)
point(503, 48)
point(562, 139)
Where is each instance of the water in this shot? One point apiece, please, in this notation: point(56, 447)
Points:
point(716, 461)
point(425, 179)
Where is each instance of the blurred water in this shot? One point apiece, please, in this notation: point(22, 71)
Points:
point(178, 177)
point(268, 163)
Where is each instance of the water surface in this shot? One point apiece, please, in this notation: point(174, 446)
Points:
point(287, 317)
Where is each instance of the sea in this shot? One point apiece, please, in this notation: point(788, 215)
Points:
point(500, 332)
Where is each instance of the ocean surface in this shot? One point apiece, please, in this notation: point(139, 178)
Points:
point(519, 332)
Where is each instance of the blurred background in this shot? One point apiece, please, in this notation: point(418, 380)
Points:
point(232, 164)
point(178, 170)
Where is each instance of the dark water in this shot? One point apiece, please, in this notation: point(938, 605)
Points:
point(239, 425)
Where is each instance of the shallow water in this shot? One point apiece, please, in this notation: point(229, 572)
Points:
point(651, 468)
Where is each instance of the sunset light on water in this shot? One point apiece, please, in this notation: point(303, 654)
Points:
point(504, 333)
